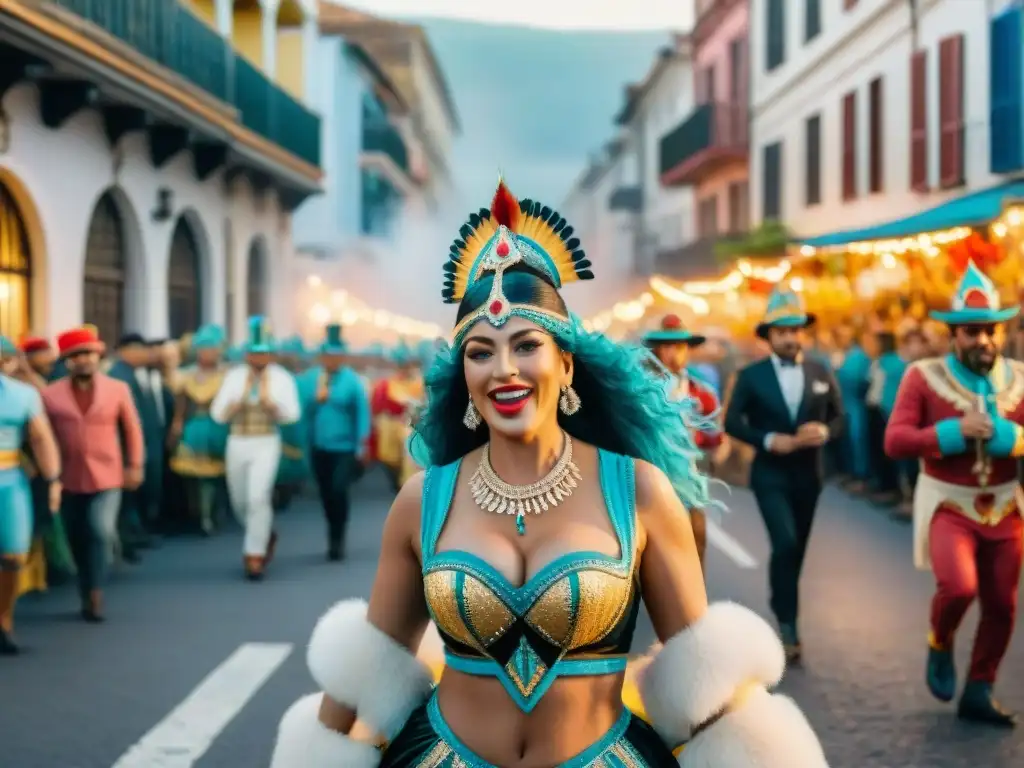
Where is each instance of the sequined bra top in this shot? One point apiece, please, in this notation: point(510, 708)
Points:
point(576, 616)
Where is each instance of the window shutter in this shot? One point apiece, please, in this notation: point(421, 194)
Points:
point(775, 31)
point(951, 111)
point(850, 146)
point(1006, 73)
point(919, 121)
point(771, 208)
point(876, 136)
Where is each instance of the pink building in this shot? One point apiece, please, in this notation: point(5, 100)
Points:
point(708, 149)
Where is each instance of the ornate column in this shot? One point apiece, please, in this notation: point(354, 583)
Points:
point(310, 57)
point(225, 18)
point(268, 27)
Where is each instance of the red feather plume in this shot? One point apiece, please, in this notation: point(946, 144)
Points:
point(505, 207)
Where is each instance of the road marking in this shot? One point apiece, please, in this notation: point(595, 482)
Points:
point(182, 737)
point(729, 547)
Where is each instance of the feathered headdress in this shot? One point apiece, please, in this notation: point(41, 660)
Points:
point(511, 232)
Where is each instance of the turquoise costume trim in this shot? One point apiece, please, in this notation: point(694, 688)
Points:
point(1004, 437)
point(19, 404)
point(535, 662)
point(951, 439)
point(976, 301)
point(462, 756)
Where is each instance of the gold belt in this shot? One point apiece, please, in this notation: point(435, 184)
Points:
point(10, 459)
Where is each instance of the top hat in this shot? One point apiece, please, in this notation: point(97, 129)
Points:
point(333, 344)
point(81, 339)
point(785, 310)
point(672, 332)
point(260, 340)
point(976, 302)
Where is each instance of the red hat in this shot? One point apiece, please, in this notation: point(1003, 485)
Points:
point(83, 339)
point(30, 344)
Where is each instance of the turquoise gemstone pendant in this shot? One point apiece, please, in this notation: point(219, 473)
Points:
point(521, 523)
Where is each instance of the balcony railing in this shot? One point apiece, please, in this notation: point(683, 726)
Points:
point(692, 260)
point(381, 137)
point(171, 35)
point(712, 133)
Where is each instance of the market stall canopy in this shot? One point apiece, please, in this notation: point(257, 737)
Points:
point(970, 210)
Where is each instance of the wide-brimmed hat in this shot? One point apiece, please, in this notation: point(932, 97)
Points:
point(333, 343)
point(976, 302)
point(260, 340)
point(672, 331)
point(32, 344)
point(785, 310)
point(82, 339)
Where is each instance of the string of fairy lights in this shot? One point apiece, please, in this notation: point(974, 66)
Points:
point(697, 295)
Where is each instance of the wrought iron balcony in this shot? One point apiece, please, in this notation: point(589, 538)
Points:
point(381, 137)
point(171, 35)
point(715, 134)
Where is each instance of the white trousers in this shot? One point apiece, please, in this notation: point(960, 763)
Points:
point(251, 472)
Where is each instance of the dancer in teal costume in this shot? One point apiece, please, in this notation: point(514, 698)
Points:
point(199, 456)
point(528, 409)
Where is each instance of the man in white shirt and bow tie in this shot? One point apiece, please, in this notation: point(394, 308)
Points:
point(787, 407)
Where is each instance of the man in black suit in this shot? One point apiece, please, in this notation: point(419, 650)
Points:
point(787, 407)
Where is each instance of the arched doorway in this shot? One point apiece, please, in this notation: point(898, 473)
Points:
point(184, 300)
point(15, 268)
point(256, 285)
point(103, 286)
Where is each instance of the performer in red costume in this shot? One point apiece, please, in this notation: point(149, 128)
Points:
point(671, 344)
point(961, 415)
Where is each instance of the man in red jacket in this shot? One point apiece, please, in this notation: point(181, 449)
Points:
point(671, 344)
point(961, 415)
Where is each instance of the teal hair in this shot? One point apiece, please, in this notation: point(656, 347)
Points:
point(627, 408)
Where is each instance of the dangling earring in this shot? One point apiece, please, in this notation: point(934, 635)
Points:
point(569, 403)
point(471, 418)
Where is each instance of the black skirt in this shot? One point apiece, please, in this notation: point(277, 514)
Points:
point(427, 742)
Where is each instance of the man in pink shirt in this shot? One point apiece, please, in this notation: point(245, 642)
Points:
point(100, 438)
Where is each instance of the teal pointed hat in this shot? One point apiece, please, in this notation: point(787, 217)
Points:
point(7, 348)
point(976, 301)
point(333, 344)
point(785, 310)
point(260, 340)
point(671, 331)
point(233, 354)
point(376, 349)
point(208, 337)
point(293, 345)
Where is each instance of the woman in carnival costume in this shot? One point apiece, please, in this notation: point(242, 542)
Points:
point(201, 441)
point(21, 417)
point(528, 411)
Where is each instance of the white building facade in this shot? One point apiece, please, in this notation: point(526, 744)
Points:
point(626, 218)
point(372, 242)
point(866, 111)
point(141, 193)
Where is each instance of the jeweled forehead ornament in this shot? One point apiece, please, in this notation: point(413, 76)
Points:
point(492, 241)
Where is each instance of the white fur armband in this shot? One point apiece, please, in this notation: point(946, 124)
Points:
point(716, 673)
point(698, 672)
point(304, 742)
point(362, 668)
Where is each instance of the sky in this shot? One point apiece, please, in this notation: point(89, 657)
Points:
point(623, 15)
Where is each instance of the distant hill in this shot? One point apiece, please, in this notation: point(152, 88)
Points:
point(534, 103)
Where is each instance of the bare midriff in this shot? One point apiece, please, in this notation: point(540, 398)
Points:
point(574, 714)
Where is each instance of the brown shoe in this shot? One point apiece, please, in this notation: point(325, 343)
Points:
point(253, 567)
point(92, 611)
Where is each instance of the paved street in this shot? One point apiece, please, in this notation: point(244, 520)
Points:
point(83, 696)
